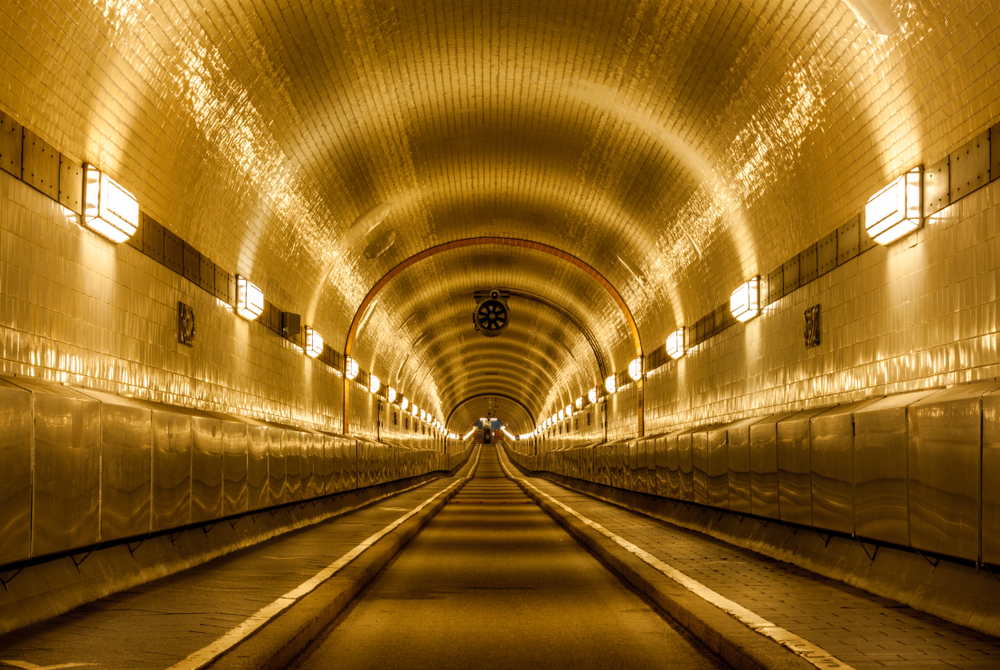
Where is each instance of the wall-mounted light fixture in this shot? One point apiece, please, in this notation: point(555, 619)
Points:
point(351, 368)
point(895, 211)
point(592, 395)
point(314, 343)
point(374, 383)
point(249, 299)
point(569, 410)
point(635, 369)
point(392, 394)
point(675, 343)
point(108, 209)
point(414, 410)
point(609, 384)
point(404, 403)
point(561, 414)
point(744, 303)
point(423, 415)
point(579, 402)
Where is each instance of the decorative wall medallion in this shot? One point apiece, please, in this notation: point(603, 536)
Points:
point(812, 327)
point(185, 324)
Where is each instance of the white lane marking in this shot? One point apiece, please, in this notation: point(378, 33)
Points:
point(206, 655)
point(804, 648)
point(31, 666)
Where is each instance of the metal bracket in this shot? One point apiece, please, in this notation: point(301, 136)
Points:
point(85, 557)
point(5, 582)
point(871, 557)
point(933, 563)
point(174, 537)
point(985, 565)
point(206, 529)
point(761, 521)
point(132, 550)
point(826, 542)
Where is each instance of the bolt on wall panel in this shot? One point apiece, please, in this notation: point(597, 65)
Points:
point(880, 486)
point(808, 265)
point(152, 238)
point(832, 463)
point(15, 473)
point(970, 166)
point(826, 253)
point(995, 152)
point(11, 141)
point(790, 273)
point(173, 252)
point(71, 184)
point(67, 468)
point(192, 264)
point(943, 464)
point(848, 240)
point(40, 165)
point(937, 189)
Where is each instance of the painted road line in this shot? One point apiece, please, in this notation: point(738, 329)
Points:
point(800, 646)
point(206, 655)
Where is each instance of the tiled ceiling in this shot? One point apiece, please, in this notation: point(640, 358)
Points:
point(677, 147)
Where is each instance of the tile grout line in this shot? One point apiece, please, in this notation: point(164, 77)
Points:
point(816, 655)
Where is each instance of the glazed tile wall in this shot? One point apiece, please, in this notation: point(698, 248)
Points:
point(918, 314)
point(76, 308)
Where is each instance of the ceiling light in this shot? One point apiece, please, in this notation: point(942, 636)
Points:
point(895, 210)
point(314, 343)
point(609, 384)
point(351, 368)
point(592, 395)
point(249, 299)
point(108, 209)
point(743, 302)
point(675, 343)
point(374, 383)
point(635, 369)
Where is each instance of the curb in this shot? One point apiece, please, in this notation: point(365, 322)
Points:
point(727, 638)
point(277, 644)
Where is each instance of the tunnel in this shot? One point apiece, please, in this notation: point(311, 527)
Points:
point(499, 333)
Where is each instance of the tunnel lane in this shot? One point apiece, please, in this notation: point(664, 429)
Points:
point(493, 582)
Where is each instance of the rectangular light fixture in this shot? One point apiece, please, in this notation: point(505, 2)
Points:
point(592, 395)
point(404, 403)
point(392, 395)
point(569, 410)
point(744, 301)
point(896, 210)
point(675, 343)
point(469, 434)
point(108, 209)
point(635, 369)
point(561, 414)
point(609, 384)
point(314, 343)
point(423, 415)
point(249, 299)
point(579, 402)
point(351, 368)
point(374, 383)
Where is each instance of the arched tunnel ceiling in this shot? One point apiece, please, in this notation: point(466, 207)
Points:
point(675, 147)
point(421, 331)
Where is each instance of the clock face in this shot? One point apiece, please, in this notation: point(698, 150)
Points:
point(491, 317)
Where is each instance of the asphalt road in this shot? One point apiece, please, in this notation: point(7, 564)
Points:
point(493, 582)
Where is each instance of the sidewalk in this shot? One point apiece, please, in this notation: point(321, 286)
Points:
point(859, 629)
point(161, 623)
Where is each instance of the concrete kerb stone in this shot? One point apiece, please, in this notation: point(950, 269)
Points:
point(276, 645)
point(729, 639)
